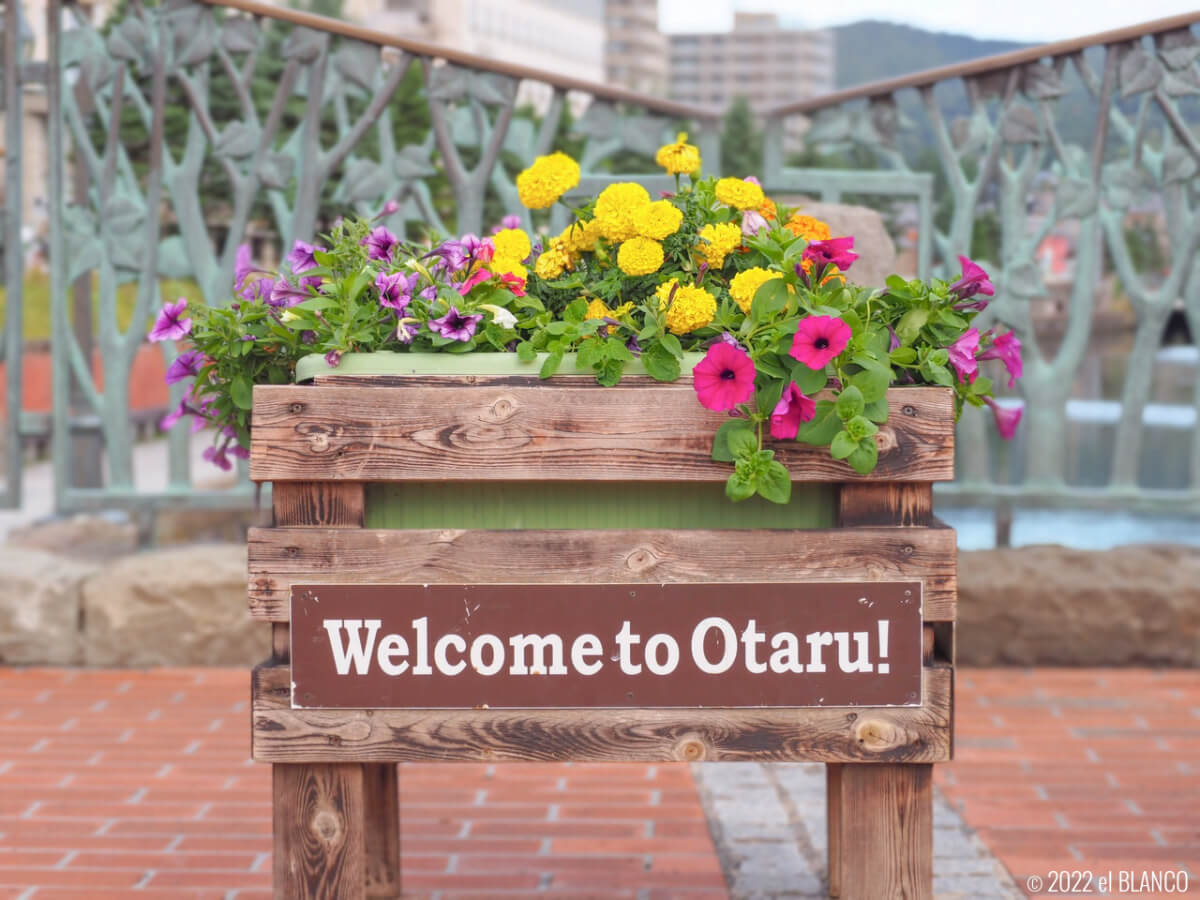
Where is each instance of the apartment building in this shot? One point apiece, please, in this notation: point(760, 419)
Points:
point(758, 59)
point(636, 53)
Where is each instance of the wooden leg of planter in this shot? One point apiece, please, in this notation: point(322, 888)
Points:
point(381, 822)
point(319, 846)
point(833, 825)
point(886, 825)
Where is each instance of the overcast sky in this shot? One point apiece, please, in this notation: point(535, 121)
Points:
point(1019, 20)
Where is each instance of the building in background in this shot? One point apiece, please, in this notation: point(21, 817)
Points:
point(759, 59)
point(636, 53)
point(565, 37)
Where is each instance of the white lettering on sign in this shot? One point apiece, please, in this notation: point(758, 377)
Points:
point(715, 649)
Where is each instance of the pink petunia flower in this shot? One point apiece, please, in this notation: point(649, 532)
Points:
point(1007, 349)
point(724, 378)
point(479, 277)
point(974, 281)
point(1007, 418)
point(962, 355)
point(753, 222)
point(170, 324)
point(792, 409)
point(514, 283)
point(833, 252)
point(819, 339)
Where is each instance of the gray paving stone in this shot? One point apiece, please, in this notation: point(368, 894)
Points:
point(768, 825)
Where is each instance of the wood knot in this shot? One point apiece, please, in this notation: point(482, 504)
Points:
point(908, 549)
point(909, 410)
point(502, 410)
point(641, 559)
point(318, 441)
point(878, 736)
point(295, 408)
point(327, 826)
point(691, 748)
point(885, 439)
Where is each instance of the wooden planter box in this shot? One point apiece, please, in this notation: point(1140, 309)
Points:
point(463, 479)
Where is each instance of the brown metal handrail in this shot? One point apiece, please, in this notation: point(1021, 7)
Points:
point(986, 64)
point(470, 60)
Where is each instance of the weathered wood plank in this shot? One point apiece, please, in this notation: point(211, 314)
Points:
point(862, 734)
point(514, 432)
point(833, 826)
point(279, 557)
point(329, 504)
point(381, 822)
point(886, 823)
point(319, 852)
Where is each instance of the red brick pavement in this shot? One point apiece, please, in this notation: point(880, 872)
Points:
point(137, 784)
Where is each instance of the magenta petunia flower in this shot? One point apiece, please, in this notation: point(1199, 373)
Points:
point(395, 291)
point(301, 259)
point(515, 283)
point(167, 422)
point(973, 281)
point(389, 208)
point(962, 355)
point(819, 339)
point(170, 324)
point(833, 252)
point(478, 278)
point(216, 456)
point(1007, 349)
point(724, 378)
point(1007, 418)
point(380, 243)
point(792, 409)
point(243, 266)
point(185, 365)
point(455, 325)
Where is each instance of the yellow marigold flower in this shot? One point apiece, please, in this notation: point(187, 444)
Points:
point(718, 241)
point(615, 208)
point(658, 220)
point(808, 228)
point(744, 285)
point(555, 259)
point(640, 256)
point(580, 237)
point(547, 179)
point(598, 310)
point(501, 265)
point(679, 158)
point(512, 243)
point(740, 194)
point(691, 308)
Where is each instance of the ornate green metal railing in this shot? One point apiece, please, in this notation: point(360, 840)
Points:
point(1092, 145)
point(189, 124)
point(180, 129)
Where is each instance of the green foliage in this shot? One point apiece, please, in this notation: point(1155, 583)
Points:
point(741, 141)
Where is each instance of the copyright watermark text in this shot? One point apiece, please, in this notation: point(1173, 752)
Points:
point(1116, 881)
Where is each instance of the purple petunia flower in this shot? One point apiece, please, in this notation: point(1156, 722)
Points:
point(185, 366)
point(405, 332)
point(395, 291)
point(308, 337)
point(380, 243)
point(455, 325)
point(332, 358)
point(170, 324)
point(301, 259)
point(389, 208)
point(167, 422)
point(428, 294)
point(216, 456)
point(243, 266)
point(284, 294)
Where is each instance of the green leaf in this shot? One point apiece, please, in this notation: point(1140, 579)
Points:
point(775, 484)
point(550, 366)
point(526, 352)
point(672, 345)
point(936, 373)
point(242, 392)
point(742, 442)
point(864, 457)
point(660, 364)
point(843, 445)
point(769, 364)
point(860, 427)
point(911, 323)
point(740, 486)
point(809, 380)
point(609, 372)
point(721, 451)
point(877, 411)
point(576, 311)
point(766, 398)
point(872, 383)
point(903, 356)
point(897, 285)
point(849, 403)
point(590, 354)
point(821, 428)
point(557, 327)
point(769, 299)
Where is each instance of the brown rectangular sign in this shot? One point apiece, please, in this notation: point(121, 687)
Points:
point(606, 645)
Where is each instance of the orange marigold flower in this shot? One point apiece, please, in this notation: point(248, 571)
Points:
point(808, 228)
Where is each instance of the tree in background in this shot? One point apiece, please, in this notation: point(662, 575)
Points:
point(741, 141)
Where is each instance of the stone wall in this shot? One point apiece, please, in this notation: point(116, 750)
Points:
point(184, 606)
